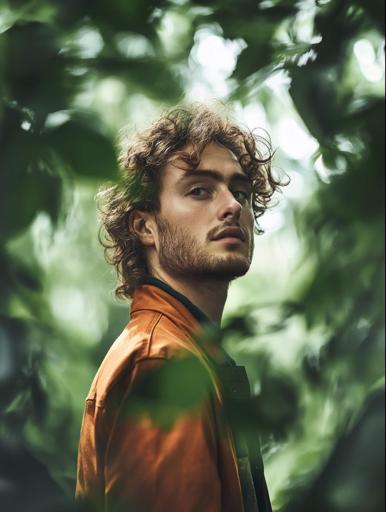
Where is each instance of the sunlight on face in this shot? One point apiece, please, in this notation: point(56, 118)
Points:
point(196, 206)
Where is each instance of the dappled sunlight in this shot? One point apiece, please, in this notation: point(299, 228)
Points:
point(371, 65)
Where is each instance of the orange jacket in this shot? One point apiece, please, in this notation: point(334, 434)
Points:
point(144, 446)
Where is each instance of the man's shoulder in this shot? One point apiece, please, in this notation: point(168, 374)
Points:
point(148, 336)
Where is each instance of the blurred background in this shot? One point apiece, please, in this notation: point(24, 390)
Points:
point(307, 320)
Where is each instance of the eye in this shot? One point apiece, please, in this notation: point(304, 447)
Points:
point(244, 195)
point(199, 192)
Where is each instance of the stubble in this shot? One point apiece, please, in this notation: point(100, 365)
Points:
point(181, 256)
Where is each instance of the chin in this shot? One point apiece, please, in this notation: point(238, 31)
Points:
point(231, 267)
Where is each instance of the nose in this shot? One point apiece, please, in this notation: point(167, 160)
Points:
point(230, 208)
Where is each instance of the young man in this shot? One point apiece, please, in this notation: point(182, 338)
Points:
point(157, 434)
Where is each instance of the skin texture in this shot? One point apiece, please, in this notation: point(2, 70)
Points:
point(194, 209)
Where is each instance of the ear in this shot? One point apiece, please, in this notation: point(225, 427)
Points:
point(142, 224)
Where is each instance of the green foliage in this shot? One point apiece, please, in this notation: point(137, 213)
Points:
point(56, 147)
point(94, 157)
point(171, 389)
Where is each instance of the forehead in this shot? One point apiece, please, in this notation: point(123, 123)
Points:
point(214, 157)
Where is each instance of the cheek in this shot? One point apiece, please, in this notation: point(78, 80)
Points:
point(193, 221)
point(248, 218)
point(184, 213)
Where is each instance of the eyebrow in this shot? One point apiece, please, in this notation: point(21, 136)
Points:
point(214, 175)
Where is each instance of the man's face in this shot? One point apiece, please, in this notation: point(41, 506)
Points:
point(195, 208)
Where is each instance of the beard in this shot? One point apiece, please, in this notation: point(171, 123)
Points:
point(181, 255)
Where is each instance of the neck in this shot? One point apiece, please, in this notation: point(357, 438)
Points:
point(209, 296)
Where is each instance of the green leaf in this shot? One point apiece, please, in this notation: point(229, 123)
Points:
point(26, 187)
point(84, 148)
point(35, 70)
point(376, 11)
point(25, 191)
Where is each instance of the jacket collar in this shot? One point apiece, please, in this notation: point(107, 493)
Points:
point(198, 314)
point(156, 295)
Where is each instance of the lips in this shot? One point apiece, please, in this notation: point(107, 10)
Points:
point(230, 233)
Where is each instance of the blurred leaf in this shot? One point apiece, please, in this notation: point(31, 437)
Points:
point(167, 389)
point(368, 122)
point(353, 478)
point(245, 9)
point(14, 355)
point(148, 75)
point(26, 482)
point(27, 184)
point(84, 148)
point(23, 181)
point(376, 10)
point(35, 70)
point(337, 24)
point(277, 405)
point(133, 16)
point(253, 58)
point(314, 97)
point(242, 324)
point(24, 276)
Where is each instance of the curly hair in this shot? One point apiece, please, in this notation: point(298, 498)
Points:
point(144, 158)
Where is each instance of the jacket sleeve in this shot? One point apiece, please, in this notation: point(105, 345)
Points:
point(161, 448)
point(90, 479)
